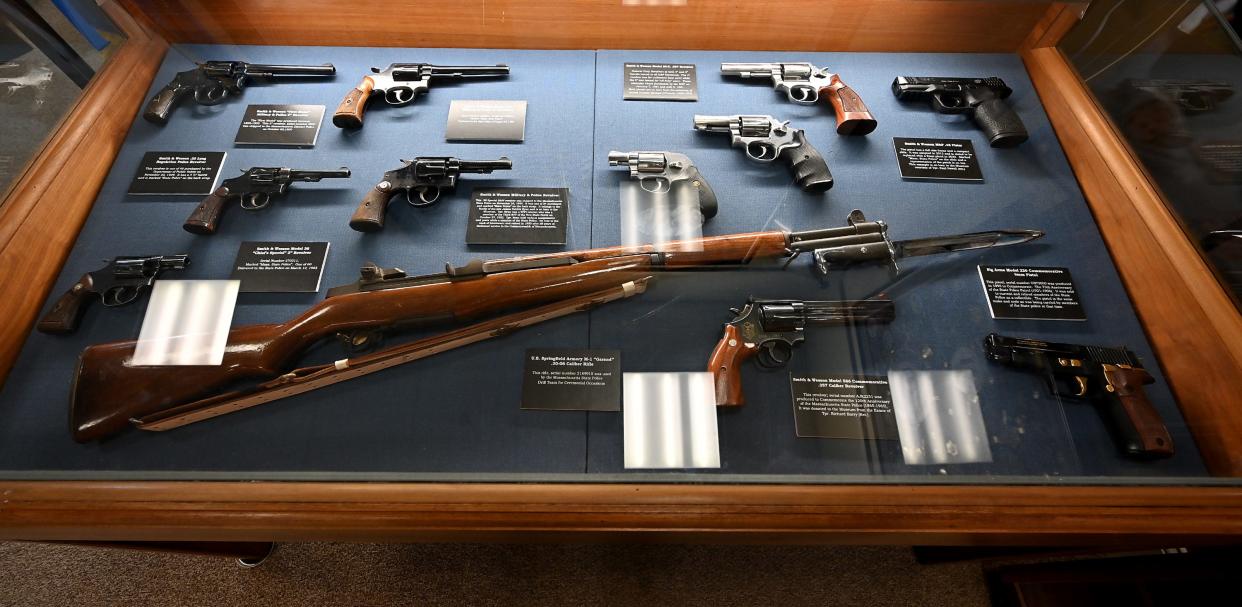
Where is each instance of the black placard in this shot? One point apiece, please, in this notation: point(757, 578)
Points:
point(1221, 159)
point(843, 406)
point(282, 125)
point(572, 380)
point(486, 120)
point(280, 267)
point(518, 216)
point(177, 173)
point(937, 159)
point(661, 82)
point(1028, 293)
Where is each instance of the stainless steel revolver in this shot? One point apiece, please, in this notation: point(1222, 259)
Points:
point(664, 172)
point(766, 139)
point(806, 84)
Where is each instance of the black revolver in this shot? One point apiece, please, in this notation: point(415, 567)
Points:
point(116, 284)
point(213, 81)
point(1112, 378)
point(983, 99)
point(426, 175)
point(254, 188)
point(768, 330)
point(765, 139)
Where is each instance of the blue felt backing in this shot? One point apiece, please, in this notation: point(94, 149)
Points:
point(458, 413)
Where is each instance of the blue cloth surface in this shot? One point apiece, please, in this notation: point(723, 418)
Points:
point(458, 413)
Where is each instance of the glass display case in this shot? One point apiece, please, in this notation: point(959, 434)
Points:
point(942, 258)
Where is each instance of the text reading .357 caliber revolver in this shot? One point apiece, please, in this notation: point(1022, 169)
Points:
point(401, 83)
point(806, 84)
point(765, 139)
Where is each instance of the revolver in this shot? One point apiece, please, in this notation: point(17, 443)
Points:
point(1112, 378)
point(400, 83)
point(426, 175)
point(764, 139)
point(212, 81)
point(980, 98)
point(254, 189)
point(804, 83)
point(662, 172)
point(768, 329)
point(1191, 96)
point(116, 284)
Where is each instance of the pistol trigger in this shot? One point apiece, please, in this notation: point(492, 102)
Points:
point(1082, 386)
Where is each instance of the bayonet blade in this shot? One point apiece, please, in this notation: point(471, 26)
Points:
point(962, 242)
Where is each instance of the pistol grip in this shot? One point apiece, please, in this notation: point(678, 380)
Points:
point(64, 316)
point(349, 113)
point(1000, 124)
point(207, 214)
point(369, 216)
point(725, 365)
point(1140, 427)
point(853, 117)
point(806, 164)
point(161, 105)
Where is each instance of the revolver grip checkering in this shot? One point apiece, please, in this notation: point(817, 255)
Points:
point(206, 215)
point(808, 167)
point(64, 316)
point(369, 216)
point(348, 114)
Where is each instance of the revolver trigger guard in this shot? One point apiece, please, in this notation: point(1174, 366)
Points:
point(761, 151)
point(210, 94)
point(662, 185)
point(774, 354)
point(119, 296)
point(255, 201)
point(399, 95)
point(427, 196)
point(804, 94)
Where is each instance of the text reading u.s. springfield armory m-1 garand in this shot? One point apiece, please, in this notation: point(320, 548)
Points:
point(109, 393)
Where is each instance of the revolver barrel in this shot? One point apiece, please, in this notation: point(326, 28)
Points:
point(713, 124)
point(326, 69)
point(750, 70)
point(486, 166)
point(297, 175)
point(468, 71)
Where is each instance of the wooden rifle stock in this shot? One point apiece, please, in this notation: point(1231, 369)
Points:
point(108, 392)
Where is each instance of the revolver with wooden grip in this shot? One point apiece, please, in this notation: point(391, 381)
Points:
point(213, 81)
point(400, 84)
point(427, 176)
point(254, 189)
point(768, 329)
point(806, 84)
point(116, 284)
point(1112, 378)
point(766, 139)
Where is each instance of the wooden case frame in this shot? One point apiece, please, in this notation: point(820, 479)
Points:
point(1192, 323)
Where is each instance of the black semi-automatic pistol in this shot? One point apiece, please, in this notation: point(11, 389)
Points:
point(1112, 378)
point(983, 99)
point(212, 81)
point(116, 284)
point(254, 188)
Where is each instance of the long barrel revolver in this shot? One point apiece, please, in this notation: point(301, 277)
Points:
point(254, 189)
point(1112, 378)
point(116, 284)
point(666, 172)
point(806, 84)
point(983, 99)
point(768, 329)
point(426, 176)
point(401, 83)
point(212, 81)
point(765, 139)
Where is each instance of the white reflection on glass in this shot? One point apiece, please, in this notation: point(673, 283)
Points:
point(938, 417)
point(655, 212)
point(187, 323)
point(670, 421)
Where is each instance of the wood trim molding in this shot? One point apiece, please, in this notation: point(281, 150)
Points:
point(41, 218)
point(830, 25)
point(1190, 319)
point(1056, 22)
point(865, 514)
